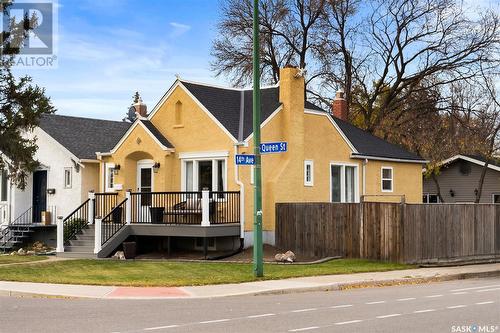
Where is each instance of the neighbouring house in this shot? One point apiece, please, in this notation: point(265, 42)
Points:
point(68, 170)
point(188, 143)
point(458, 181)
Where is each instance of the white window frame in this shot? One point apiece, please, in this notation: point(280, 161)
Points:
point(215, 172)
point(310, 164)
point(342, 180)
point(108, 167)
point(382, 179)
point(70, 171)
point(493, 197)
point(427, 195)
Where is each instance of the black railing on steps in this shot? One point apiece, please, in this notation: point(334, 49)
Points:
point(76, 221)
point(113, 222)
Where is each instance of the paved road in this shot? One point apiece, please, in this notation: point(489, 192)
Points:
point(436, 307)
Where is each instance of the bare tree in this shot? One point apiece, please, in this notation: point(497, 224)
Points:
point(288, 36)
point(414, 45)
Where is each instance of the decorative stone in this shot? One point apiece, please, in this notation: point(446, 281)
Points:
point(290, 256)
point(21, 252)
point(119, 255)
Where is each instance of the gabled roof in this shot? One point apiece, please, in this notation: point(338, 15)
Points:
point(225, 105)
point(475, 159)
point(149, 128)
point(83, 137)
point(156, 133)
point(368, 145)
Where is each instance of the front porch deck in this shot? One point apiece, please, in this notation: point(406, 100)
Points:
point(203, 214)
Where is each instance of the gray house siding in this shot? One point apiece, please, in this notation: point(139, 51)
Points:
point(463, 186)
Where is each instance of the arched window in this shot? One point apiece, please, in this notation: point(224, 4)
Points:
point(178, 113)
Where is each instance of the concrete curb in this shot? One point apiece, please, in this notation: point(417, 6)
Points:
point(373, 284)
point(267, 287)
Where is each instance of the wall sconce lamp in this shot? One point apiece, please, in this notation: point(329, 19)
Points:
point(116, 169)
point(452, 193)
point(476, 191)
point(156, 166)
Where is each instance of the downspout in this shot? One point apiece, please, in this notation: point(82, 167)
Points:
point(365, 162)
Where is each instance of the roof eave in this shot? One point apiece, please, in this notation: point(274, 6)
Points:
point(391, 159)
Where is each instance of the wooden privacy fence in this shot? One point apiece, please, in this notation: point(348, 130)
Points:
point(410, 233)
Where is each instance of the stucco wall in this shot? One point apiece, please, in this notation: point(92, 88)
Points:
point(463, 186)
point(309, 136)
point(54, 159)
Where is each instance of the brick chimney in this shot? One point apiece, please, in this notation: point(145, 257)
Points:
point(339, 106)
point(140, 108)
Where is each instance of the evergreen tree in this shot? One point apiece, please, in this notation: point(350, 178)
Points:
point(22, 103)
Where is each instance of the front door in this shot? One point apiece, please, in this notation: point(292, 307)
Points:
point(39, 194)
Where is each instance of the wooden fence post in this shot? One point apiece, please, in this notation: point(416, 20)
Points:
point(361, 227)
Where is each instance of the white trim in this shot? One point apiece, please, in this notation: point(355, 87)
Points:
point(342, 180)
point(107, 167)
point(375, 158)
point(326, 114)
point(126, 135)
point(265, 122)
point(203, 155)
point(144, 164)
point(178, 83)
point(310, 164)
point(70, 185)
point(468, 159)
point(382, 168)
point(85, 160)
point(493, 196)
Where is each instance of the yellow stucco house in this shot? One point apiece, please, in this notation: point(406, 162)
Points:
point(188, 142)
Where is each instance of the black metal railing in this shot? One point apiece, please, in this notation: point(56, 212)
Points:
point(76, 221)
point(104, 203)
point(184, 207)
point(166, 207)
point(113, 222)
point(226, 207)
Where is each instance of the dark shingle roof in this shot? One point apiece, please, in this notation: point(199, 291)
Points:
point(225, 104)
point(84, 136)
point(370, 145)
point(156, 133)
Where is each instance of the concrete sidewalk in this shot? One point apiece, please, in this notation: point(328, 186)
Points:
point(326, 282)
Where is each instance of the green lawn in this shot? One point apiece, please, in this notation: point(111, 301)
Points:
point(8, 259)
point(158, 273)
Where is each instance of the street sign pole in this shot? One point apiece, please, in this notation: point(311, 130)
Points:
point(258, 266)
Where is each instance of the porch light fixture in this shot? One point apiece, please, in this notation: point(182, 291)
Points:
point(116, 169)
point(452, 193)
point(156, 166)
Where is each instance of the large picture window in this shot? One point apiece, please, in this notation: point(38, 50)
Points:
point(344, 182)
point(204, 174)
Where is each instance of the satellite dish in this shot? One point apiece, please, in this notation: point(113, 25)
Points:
point(131, 113)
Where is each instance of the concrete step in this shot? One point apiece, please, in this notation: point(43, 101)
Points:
point(85, 237)
point(83, 255)
point(87, 249)
point(84, 242)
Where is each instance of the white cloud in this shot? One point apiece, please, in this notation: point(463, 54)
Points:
point(178, 29)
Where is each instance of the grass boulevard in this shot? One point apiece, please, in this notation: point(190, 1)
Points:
point(173, 274)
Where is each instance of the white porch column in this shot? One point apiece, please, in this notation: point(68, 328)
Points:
point(91, 207)
point(205, 208)
point(97, 237)
point(128, 208)
point(60, 235)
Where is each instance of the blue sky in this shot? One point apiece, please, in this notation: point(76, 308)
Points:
point(108, 49)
